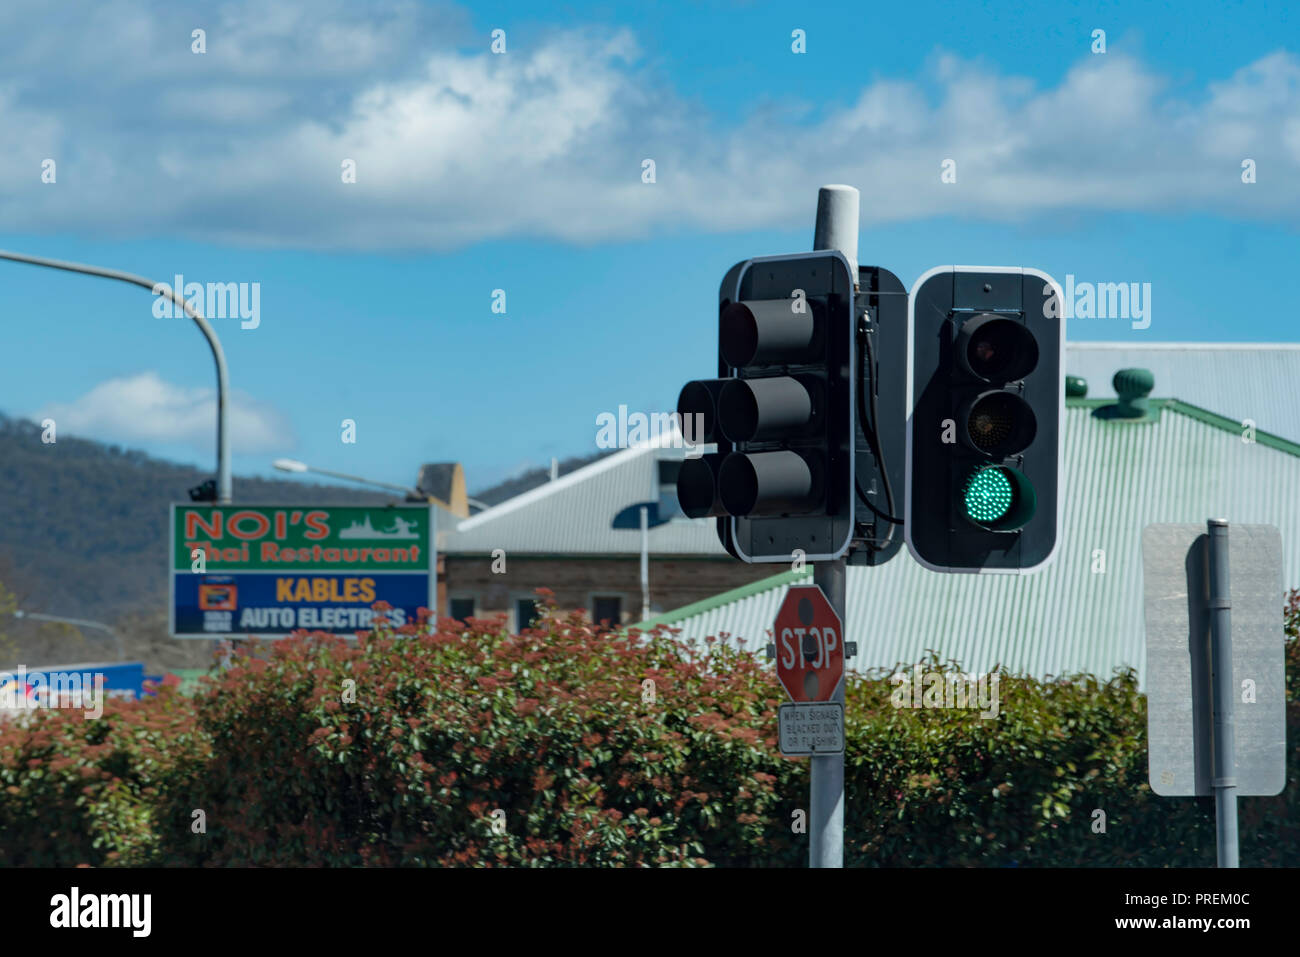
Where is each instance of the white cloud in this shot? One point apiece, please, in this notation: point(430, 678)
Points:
point(145, 408)
point(455, 145)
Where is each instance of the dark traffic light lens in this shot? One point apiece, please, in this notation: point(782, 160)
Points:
point(1000, 423)
point(697, 487)
point(765, 331)
point(697, 410)
point(755, 409)
point(998, 349)
point(998, 498)
point(767, 483)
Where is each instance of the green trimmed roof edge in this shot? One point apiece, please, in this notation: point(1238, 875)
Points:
point(1233, 426)
point(722, 598)
point(1205, 416)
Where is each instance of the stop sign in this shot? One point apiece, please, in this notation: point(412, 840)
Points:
point(809, 645)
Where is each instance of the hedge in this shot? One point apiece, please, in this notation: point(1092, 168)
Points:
point(460, 744)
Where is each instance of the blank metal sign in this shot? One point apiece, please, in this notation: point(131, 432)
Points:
point(1178, 658)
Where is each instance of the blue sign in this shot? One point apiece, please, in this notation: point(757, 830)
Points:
point(121, 679)
point(256, 603)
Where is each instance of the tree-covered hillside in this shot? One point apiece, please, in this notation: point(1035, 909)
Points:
point(83, 527)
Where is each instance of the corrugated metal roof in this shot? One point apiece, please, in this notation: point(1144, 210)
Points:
point(572, 515)
point(1187, 467)
point(1241, 380)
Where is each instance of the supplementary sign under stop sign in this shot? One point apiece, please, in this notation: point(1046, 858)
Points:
point(808, 729)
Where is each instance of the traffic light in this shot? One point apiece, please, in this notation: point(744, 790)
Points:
point(205, 491)
point(780, 411)
point(986, 396)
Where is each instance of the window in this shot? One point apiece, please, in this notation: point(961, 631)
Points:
point(526, 615)
point(461, 609)
point(607, 608)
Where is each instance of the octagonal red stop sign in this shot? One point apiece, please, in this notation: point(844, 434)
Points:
point(809, 644)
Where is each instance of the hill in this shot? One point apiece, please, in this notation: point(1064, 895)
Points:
point(82, 532)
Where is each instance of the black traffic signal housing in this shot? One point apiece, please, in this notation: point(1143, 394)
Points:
point(986, 396)
point(880, 432)
point(205, 491)
point(781, 482)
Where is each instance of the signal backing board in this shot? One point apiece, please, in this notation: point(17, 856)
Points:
point(1178, 673)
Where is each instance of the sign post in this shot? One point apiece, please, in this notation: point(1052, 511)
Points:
point(826, 822)
point(1215, 675)
point(809, 651)
point(247, 571)
point(1225, 746)
point(836, 228)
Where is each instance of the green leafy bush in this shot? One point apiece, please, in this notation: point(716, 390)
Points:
point(77, 791)
point(408, 749)
point(568, 745)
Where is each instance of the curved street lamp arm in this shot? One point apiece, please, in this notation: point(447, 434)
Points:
point(80, 623)
point(223, 380)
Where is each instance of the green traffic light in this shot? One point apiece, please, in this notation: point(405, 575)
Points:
point(998, 498)
point(988, 495)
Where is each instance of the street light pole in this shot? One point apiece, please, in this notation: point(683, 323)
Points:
point(79, 622)
point(645, 563)
point(292, 465)
point(224, 491)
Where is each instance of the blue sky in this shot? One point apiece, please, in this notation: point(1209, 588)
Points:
point(522, 171)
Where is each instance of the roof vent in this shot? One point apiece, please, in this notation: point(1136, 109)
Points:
point(1076, 387)
point(1133, 386)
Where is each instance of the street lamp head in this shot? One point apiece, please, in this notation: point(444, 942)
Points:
point(289, 465)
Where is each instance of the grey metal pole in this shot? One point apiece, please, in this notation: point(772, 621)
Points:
point(1225, 746)
point(837, 223)
point(224, 491)
point(837, 228)
point(645, 563)
point(826, 822)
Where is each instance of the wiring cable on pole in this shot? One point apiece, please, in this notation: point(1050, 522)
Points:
point(867, 359)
